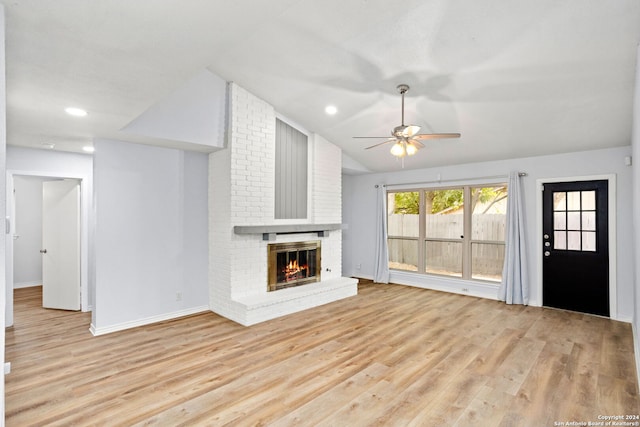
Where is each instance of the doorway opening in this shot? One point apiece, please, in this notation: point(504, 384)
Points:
point(27, 235)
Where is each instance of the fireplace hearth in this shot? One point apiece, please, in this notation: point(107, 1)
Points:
point(293, 264)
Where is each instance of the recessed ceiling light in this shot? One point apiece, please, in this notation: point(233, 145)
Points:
point(88, 149)
point(331, 110)
point(73, 111)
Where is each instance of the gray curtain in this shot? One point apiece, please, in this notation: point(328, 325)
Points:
point(514, 288)
point(381, 267)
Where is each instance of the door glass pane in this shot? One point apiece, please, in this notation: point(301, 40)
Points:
point(573, 240)
point(573, 201)
point(559, 221)
point(487, 261)
point(589, 221)
point(403, 254)
point(559, 201)
point(444, 213)
point(589, 241)
point(573, 220)
point(403, 218)
point(444, 258)
point(559, 240)
point(589, 200)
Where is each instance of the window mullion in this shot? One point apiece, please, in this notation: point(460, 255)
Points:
point(466, 240)
point(422, 227)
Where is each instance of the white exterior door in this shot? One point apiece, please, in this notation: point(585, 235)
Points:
point(61, 244)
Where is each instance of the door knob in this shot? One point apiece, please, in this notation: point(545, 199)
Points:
point(43, 251)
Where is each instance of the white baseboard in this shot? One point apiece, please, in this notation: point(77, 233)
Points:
point(27, 284)
point(146, 321)
point(623, 319)
point(443, 284)
point(446, 284)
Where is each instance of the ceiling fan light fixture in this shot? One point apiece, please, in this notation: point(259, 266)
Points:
point(411, 149)
point(398, 149)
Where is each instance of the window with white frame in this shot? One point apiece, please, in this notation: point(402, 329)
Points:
point(454, 231)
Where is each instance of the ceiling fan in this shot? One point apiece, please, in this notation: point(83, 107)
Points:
point(406, 137)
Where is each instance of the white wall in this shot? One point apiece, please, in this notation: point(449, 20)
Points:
point(48, 162)
point(3, 144)
point(27, 260)
point(359, 214)
point(635, 141)
point(150, 234)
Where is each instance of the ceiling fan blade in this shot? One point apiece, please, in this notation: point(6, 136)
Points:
point(410, 130)
point(365, 137)
point(382, 143)
point(416, 143)
point(436, 135)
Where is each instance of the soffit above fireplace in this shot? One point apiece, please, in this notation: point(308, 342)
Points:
point(269, 232)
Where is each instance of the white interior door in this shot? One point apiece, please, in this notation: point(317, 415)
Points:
point(61, 244)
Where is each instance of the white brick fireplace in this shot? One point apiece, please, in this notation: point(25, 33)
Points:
point(242, 195)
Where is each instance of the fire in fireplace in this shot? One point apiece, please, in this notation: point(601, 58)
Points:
point(293, 264)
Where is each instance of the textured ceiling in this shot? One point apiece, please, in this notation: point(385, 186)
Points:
point(517, 78)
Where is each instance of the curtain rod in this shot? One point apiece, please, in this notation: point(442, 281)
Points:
point(450, 180)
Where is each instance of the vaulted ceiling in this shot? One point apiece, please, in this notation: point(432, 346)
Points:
point(515, 78)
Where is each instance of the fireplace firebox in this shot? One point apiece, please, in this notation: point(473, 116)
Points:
point(293, 264)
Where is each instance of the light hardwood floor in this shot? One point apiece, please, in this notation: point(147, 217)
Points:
point(392, 355)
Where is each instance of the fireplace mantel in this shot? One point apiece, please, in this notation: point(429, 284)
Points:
point(269, 232)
